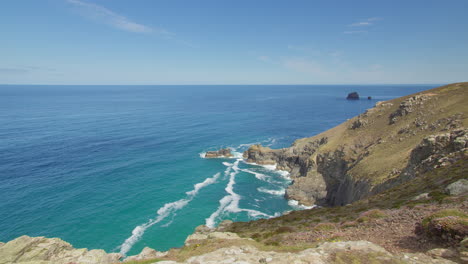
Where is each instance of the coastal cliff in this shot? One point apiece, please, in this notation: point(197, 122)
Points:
point(394, 180)
point(387, 145)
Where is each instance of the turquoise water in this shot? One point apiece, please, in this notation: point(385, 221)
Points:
point(120, 167)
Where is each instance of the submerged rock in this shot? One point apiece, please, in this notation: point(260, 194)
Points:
point(353, 96)
point(222, 153)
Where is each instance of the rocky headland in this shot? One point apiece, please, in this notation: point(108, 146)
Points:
point(387, 145)
point(392, 184)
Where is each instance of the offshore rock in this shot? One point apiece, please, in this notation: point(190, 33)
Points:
point(353, 96)
point(43, 250)
point(222, 153)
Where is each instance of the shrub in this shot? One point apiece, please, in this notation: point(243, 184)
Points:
point(374, 213)
point(449, 225)
point(348, 224)
point(284, 229)
point(324, 227)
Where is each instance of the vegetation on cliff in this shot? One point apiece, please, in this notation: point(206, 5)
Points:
point(393, 183)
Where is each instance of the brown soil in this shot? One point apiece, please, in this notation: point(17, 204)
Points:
point(395, 231)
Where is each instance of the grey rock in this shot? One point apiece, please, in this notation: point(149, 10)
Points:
point(147, 253)
point(27, 249)
point(458, 188)
point(442, 253)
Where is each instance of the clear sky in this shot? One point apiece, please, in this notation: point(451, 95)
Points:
point(233, 41)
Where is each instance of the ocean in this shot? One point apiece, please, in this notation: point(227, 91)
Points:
point(121, 167)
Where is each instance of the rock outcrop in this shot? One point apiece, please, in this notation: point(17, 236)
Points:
point(338, 252)
point(368, 154)
point(203, 232)
point(147, 254)
point(458, 188)
point(353, 96)
point(43, 250)
point(222, 153)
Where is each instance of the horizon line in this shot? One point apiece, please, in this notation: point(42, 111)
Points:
point(299, 84)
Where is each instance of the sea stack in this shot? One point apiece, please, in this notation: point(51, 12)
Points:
point(353, 96)
point(222, 153)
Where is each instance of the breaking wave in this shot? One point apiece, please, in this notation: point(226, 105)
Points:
point(163, 212)
point(230, 202)
point(280, 192)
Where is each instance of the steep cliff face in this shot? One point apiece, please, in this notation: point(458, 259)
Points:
point(383, 147)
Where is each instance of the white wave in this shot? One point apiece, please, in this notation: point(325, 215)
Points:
point(268, 142)
point(237, 155)
point(202, 154)
point(247, 145)
point(284, 174)
point(206, 182)
point(163, 212)
point(273, 168)
point(230, 202)
point(280, 192)
point(295, 204)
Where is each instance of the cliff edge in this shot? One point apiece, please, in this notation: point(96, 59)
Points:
point(387, 145)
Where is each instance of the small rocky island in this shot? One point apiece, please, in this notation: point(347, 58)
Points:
point(353, 96)
point(222, 153)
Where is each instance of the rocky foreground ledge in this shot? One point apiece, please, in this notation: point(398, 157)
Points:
point(42, 250)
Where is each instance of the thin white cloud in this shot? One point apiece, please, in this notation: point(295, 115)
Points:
point(264, 58)
point(108, 17)
point(305, 66)
point(364, 23)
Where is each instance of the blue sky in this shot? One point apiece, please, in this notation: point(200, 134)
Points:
point(233, 42)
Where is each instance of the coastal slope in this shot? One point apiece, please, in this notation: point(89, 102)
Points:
point(379, 149)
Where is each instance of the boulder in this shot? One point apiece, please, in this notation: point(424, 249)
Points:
point(210, 236)
point(222, 153)
point(353, 96)
point(422, 196)
point(146, 254)
point(458, 188)
point(442, 253)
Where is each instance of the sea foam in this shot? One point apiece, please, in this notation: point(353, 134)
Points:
point(280, 192)
point(230, 202)
point(163, 212)
point(295, 204)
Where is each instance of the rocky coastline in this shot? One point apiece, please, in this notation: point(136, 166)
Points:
point(392, 182)
point(351, 161)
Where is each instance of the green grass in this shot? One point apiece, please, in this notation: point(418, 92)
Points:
point(445, 213)
point(146, 261)
point(433, 182)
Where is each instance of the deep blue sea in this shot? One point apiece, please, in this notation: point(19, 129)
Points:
point(121, 167)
